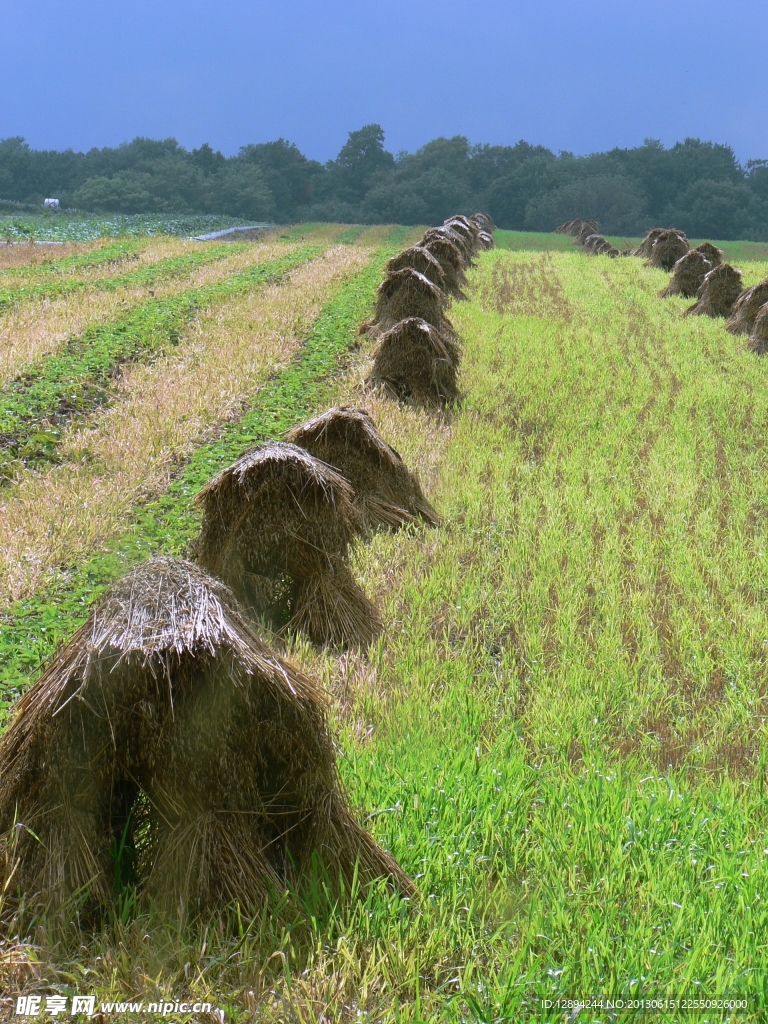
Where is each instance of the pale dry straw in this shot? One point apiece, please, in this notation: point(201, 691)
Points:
point(41, 326)
point(19, 254)
point(155, 250)
point(129, 452)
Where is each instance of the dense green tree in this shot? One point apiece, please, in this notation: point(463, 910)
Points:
point(697, 185)
point(486, 164)
point(719, 209)
point(239, 189)
point(207, 160)
point(16, 161)
point(427, 199)
point(757, 178)
point(289, 175)
point(507, 198)
point(615, 201)
point(124, 192)
point(361, 159)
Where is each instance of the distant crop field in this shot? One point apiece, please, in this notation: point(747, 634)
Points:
point(83, 227)
point(531, 241)
point(560, 734)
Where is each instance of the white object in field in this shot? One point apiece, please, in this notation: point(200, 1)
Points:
point(51, 202)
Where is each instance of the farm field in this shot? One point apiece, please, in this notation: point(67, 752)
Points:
point(560, 734)
point(531, 241)
point(24, 224)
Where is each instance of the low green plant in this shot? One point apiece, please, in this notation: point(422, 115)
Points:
point(77, 226)
point(113, 252)
point(142, 277)
point(36, 406)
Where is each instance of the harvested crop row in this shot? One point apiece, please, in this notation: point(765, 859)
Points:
point(384, 234)
point(38, 328)
point(36, 407)
point(23, 255)
point(212, 376)
point(148, 275)
point(102, 257)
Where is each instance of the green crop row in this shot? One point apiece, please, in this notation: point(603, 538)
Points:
point(114, 253)
point(143, 277)
point(37, 405)
point(30, 630)
point(351, 235)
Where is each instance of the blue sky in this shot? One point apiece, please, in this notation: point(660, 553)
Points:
point(581, 75)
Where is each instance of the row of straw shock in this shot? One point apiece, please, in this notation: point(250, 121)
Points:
point(418, 353)
point(168, 755)
point(698, 272)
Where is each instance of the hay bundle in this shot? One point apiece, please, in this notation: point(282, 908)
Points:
point(458, 220)
point(667, 248)
point(421, 259)
point(465, 227)
point(594, 244)
point(277, 527)
point(687, 275)
point(485, 240)
point(758, 338)
point(711, 252)
point(484, 221)
point(646, 246)
point(63, 801)
point(407, 293)
point(387, 495)
point(466, 239)
point(588, 227)
point(413, 363)
point(452, 263)
point(432, 234)
point(90, 732)
point(719, 290)
point(166, 729)
point(644, 249)
point(571, 227)
point(606, 248)
point(746, 307)
point(247, 792)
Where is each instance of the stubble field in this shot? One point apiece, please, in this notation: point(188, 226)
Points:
point(561, 733)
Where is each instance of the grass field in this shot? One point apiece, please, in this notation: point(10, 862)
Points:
point(531, 241)
point(561, 733)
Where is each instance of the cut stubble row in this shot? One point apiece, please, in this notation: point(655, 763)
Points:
point(41, 326)
point(127, 453)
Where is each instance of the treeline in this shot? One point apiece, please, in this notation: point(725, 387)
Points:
point(697, 186)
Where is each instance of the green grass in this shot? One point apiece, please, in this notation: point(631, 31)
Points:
point(351, 235)
point(572, 734)
point(30, 631)
point(38, 404)
point(532, 241)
